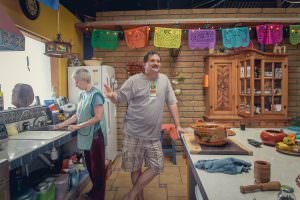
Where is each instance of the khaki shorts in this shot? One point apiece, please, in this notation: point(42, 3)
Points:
point(136, 150)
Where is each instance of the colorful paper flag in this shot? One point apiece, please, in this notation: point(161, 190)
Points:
point(269, 33)
point(235, 37)
point(105, 39)
point(53, 4)
point(167, 37)
point(294, 34)
point(201, 39)
point(137, 37)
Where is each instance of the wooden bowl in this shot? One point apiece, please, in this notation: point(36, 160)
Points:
point(209, 132)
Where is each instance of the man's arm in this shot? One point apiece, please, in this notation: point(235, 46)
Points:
point(123, 95)
point(175, 115)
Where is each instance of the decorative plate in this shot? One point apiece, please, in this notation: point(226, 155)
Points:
point(30, 8)
point(292, 153)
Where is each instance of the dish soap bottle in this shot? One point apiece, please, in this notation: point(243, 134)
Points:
point(1, 100)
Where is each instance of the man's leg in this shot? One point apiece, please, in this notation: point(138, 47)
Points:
point(145, 178)
point(134, 177)
point(132, 157)
point(154, 162)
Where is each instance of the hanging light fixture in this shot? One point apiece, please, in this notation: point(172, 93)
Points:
point(58, 48)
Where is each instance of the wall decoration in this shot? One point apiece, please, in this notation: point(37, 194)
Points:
point(201, 39)
point(279, 49)
point(73, 60)
point(53, 4)
point(137, 37)
point(294, 34)
point(167, 37)
point(30, 8)
point(58, 48)
point(269, 33)
point(105, 39)
point(235, 37)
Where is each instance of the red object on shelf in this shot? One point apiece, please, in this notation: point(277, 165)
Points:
point(52, 107)
point(271, 137)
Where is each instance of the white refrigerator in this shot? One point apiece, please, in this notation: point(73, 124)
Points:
point(100, 75)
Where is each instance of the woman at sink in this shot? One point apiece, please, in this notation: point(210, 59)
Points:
point(91, 139)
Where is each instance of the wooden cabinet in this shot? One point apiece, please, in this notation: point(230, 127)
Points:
point(248, 85)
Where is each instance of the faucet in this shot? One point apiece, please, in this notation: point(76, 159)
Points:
point(25, 126)
point(39, 122)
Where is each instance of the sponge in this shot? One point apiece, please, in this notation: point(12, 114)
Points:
point(12, 129)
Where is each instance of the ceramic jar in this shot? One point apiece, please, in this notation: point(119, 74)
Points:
point(271, 137)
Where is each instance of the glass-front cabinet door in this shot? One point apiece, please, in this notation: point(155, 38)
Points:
point(272, 87)
point(257, 91)
point(244, 87)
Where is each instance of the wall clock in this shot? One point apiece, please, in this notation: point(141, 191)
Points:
point(30, 8)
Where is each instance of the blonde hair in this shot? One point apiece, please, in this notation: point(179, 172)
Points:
point(83, 75)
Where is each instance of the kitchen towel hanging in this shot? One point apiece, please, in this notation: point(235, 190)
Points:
point(167, 37)
point(105, 39)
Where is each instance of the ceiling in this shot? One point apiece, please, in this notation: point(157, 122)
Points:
point(83, 8)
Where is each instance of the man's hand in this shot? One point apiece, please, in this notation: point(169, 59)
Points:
point(108, 91)
point(179, 131)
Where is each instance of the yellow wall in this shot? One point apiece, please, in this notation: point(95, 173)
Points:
point(46, 26)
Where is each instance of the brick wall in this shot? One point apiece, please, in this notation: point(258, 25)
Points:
point(190, 63)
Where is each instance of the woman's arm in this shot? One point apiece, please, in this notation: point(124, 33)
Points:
point(67, 122)
point(98, 110)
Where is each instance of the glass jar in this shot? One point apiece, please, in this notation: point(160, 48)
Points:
point(286, 193)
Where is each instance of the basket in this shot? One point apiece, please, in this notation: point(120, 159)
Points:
point(93, 62)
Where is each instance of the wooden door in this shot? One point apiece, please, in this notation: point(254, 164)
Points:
point(223, 97)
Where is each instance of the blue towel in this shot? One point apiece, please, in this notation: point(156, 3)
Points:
point(226, 165)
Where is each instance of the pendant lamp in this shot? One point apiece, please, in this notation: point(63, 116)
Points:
point(58, 48)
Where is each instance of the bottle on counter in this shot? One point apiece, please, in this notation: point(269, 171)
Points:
point(61, 116)
point(1, 99)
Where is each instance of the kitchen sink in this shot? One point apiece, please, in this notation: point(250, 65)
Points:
point(49, 128)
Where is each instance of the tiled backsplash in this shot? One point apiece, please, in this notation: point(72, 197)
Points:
point(30, 114)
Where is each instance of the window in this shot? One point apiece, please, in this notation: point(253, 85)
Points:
point(14, 69)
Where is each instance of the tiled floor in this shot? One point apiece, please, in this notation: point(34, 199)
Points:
point(170, 185)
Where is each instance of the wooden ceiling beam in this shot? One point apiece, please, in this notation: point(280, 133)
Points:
point(114, 24)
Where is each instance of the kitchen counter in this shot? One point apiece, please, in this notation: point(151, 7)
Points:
point(284, 168)
point(21, 152)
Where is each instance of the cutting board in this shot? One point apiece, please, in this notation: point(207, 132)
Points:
point(37, 135)
point(231, 148)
